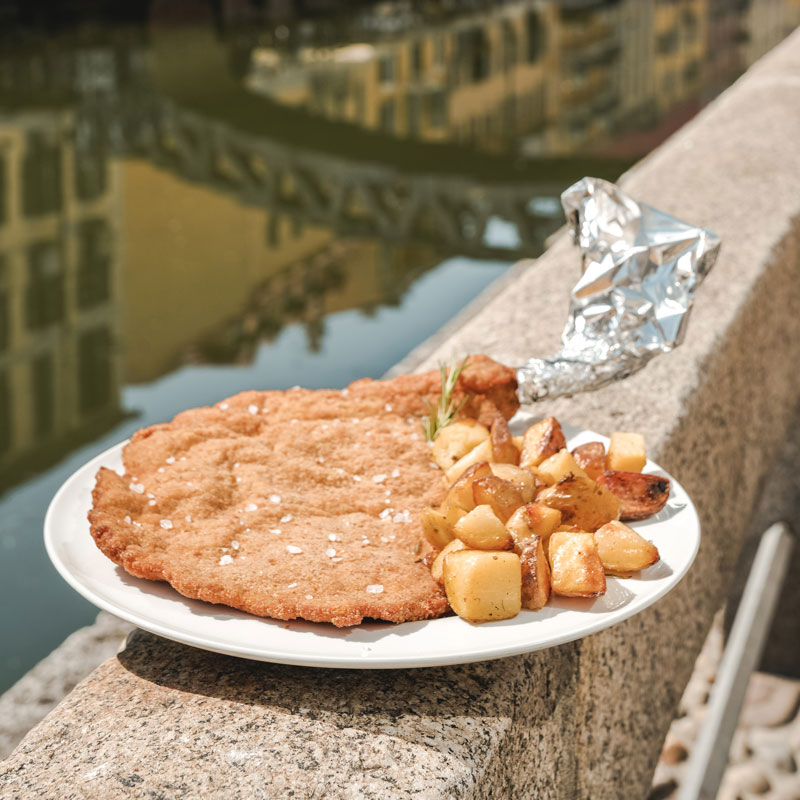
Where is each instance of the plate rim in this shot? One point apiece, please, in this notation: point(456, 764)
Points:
point(365, 661)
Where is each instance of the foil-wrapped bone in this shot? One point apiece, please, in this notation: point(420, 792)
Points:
point(640, 271)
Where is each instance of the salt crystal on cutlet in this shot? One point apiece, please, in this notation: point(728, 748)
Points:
point(337, 559)
point(293, 549)
point(293, 422)
point(137, 487)
point(320, 460)
point(395, 473)
point(357, 478)
point(253, 409)
point(387, 500)
point(166, 524)
point(291, 586)
point(309, 597)
point(223, 406)
point(386, 513)
point(276, 531)
point(379, 478)
point(225, 560)
point(235, 544)
point(374, 588)
point(330, 552)
point(387, 408)
point(236, 464)
point(402, 516)
point(238, 479)
point(251, 507)
point(151, 502)
point(188, 517)
point(150, 495)
point(274, 498)
point(334, 537)
point(127, 519)
point(344, 392)
point(160, 469)
point(286, 518)
point(170, 459)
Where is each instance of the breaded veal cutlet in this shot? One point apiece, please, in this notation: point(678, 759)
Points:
point(296, 504)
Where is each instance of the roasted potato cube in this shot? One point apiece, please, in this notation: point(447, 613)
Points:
point(535, 574)
point(517, 442)
point(503, 497)
point(483, 452)
point(575, 566)
point(438, 562)
point(591, 458)
point(517, 525)
point(640, 494)
point(542, 519)
point(456, 440)
point(504, 451)
point(482, 530)
point(626, 452)
point(558, 467)
point(540, 441)
point(622, 550)
point(523, 479)
point(436, 528)
point(460, 493)
point(452, 511)
point(581, 502)
point(482, 586)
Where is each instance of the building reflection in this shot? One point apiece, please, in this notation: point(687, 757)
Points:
point(59, 310)
point(176, 193)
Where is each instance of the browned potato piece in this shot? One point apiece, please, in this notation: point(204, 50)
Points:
point(452, 511)
point(483, 452)
point(502, 496)
point(504, 451)
point(482, 586)
point(460, 492)
point(558, 466)
point(591, 458)
point(541, 441)
point(519, 529)
point(438, 563)
point(437, 530)
point(535, 574)
point(581, 502)
point(622, 550)
point(523, 479)
point(456, 440)
point(482, 530)
point(575, 566)
point(542, 519)
point(640, 494)
point(626, 452)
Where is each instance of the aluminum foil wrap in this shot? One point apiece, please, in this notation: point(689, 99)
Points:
point(640, 271)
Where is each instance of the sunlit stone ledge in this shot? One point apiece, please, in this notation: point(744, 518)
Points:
point(582, 720)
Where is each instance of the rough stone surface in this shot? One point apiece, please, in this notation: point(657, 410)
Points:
point(765, 750)
point(38, 692)
point(585, 720)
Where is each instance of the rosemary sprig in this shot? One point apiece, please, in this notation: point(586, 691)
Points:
point(441, 415)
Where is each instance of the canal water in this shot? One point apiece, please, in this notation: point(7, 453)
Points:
point(198, 198)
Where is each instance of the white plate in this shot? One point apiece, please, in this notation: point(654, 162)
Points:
point(158, 608)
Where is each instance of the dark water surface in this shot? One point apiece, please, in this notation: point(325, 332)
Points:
point(198, 198)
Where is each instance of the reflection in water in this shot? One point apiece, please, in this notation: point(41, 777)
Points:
point(302, 195)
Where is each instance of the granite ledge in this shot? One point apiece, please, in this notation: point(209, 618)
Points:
point(581, 720)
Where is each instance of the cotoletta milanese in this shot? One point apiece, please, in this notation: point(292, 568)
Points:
point(296, 504)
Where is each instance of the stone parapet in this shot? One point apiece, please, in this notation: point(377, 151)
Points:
point(586, 719)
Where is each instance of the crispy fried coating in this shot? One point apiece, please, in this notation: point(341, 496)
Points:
point(297, 504)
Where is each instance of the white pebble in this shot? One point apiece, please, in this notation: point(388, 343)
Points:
point(166, 524)
point(374, 588)
point(293, 549)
